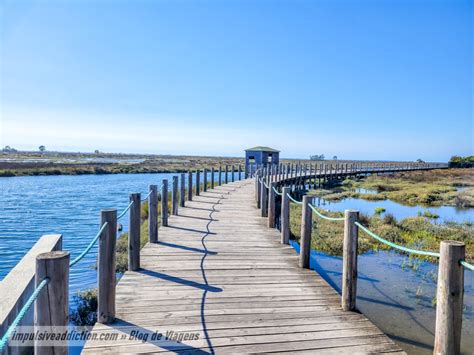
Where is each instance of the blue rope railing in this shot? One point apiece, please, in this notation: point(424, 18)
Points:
point(293, 200)
point(323, 216)
point(396, 246)
point(467, 265)
point(22, 313)
point(89, 247)
point(146, 197)
point(125, 211)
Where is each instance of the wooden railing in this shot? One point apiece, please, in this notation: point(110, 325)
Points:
point(46, 261)
point(291, 178)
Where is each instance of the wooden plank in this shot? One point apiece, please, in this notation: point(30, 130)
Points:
point(220, 271)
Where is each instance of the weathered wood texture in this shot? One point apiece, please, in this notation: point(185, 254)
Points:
point(52, 303)
point(134, 233)
point(106, 267)
point(153, 214)
point(17, 287)
point(449, 298)
point(219, 271)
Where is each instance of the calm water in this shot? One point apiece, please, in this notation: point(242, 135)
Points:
point(69, 205)
point(397, 298)
point(445, 213)
point(391, 294)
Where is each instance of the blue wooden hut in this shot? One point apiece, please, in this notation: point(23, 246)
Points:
point(261, 156)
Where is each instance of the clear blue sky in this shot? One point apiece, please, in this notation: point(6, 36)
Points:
point(357, 79)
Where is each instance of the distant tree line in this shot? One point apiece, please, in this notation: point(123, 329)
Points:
point(320, 157)
point(461, 162)
point(8, 149)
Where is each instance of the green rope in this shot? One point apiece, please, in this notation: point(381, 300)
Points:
point(396, 246)
point(21, 314)
point(146, 197)
point(89, 247)
point(325, 217)
point(125, 211)
point(467, 265)
point(295, 201)
point(276, 191)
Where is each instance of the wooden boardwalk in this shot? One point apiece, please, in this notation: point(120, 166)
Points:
point(220, 274)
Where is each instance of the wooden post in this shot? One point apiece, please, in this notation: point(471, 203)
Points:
point(220, 175)
point(272, 205)
point(164, 203)
point(52, 304)
point(264, 199)
point(349, 261)
point(106, 268)
point(190, 186)
point(182, 190)
point(153, 215)
point(134, 233)
point(258, 176)
point(204, 180)
point(232, 178)
point(212, 178)
point(198, 182)
point(174, 196)
point(285, 216)
point(305, 241)
point(240, 172)
point(226, 177)
point(449, 297)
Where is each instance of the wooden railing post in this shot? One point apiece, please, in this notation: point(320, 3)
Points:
point(226, 177)
point(153, 215)
point(220, 175)
point(240, 172)
point(264, 199)
point(190, 186)
point(285, 216)
point(52, 304)
point(204, 180)
point(174, 196)
point(305, 241)
point(349, 261)
point(259, 189)
point(198, 182)
point(212, 178)
point(164, 203)
point(106, 268)
point(182, 190)
point(271, 205)
point(232, 177)
point(449, 298)
point(134, 233)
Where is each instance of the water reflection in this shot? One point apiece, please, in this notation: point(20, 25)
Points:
point(398, 294)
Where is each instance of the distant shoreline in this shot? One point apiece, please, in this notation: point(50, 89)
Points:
point(29, 163)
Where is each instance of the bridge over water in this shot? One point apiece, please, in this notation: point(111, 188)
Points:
point(217, 277)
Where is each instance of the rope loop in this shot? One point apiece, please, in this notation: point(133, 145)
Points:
point(276, 191)
point(323, 216)
point(125, 210)
point(21, 313)
point(293, 200)
point(396, 246)
point(89, 247)
point(467, 265)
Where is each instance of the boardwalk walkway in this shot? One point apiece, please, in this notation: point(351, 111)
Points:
point(221, 273)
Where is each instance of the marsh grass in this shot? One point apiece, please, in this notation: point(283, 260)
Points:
point(426, 188)
point(413, 232)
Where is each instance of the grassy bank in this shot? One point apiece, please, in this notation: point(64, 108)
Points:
point(55, 163)
point(415, 232)
point(447, 187)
